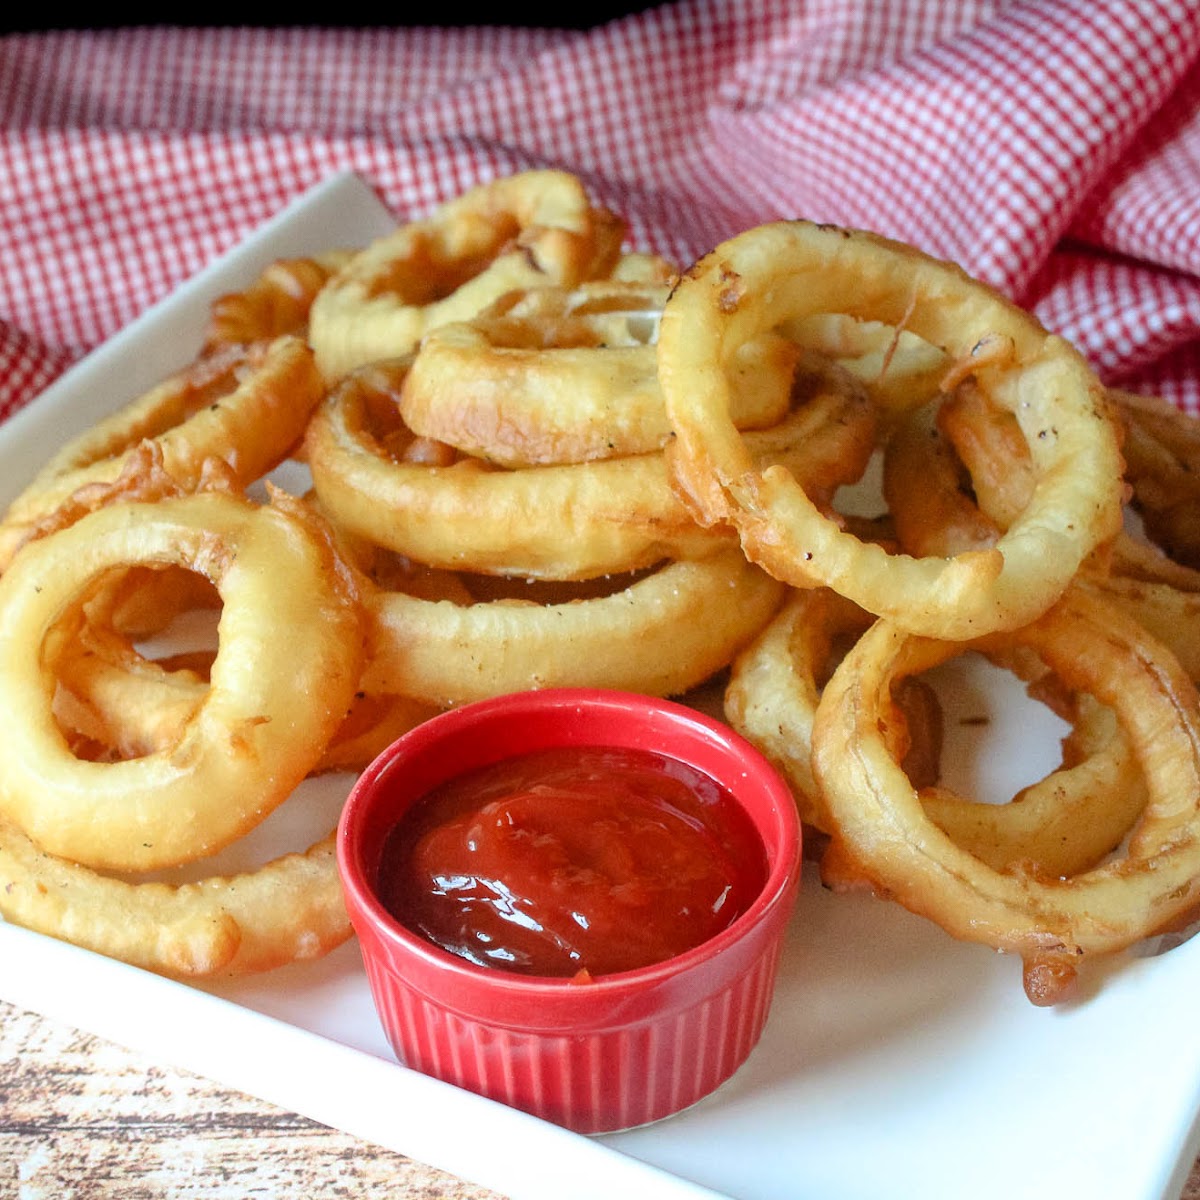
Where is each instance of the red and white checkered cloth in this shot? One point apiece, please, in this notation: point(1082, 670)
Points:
point(1051, 147)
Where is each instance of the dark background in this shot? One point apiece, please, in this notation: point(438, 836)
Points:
point(568, 14)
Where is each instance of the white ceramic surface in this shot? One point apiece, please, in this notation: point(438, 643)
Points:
point(897, 1063)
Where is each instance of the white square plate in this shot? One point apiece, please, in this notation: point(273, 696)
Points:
point(896, 1063)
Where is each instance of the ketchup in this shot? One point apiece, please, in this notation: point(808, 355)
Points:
point(573, 861)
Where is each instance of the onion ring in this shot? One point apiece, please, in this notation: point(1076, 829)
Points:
point(1162, 454)
point(565, 375)
point(246, 407)
point(789, 270)
point(1133, 559)
point(141, 601)
point(121, 705)
point(271, 707)
point(929, 492)
point(990, 446)
point(901, 370)
point(276, 303)
point(524, 230)
point(1169, 613)
point(288, 910)
point(775, 686)
point(574, 521)
point(934, 471)
point(638, 266)
point(1061, 824)
point(1053, 924)
point(663, 634)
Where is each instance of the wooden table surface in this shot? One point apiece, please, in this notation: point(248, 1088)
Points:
point(83, 1119)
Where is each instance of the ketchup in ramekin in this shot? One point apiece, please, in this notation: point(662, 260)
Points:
point(572, 901)
point(573, 861)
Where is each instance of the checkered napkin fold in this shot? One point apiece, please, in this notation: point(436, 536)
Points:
point(1051, 147)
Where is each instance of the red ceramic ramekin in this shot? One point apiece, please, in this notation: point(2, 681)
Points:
point(626, 1048)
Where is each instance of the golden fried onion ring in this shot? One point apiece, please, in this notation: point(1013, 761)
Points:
point(786, 271)
point(525, 230)
point(940, 472)
point(288, 660)
point(127, 706)
point(564, 375)
point(900, 369)
point(989, 445)
point(276, 303)
point(775, 686)
point(570, 521)
point(1061, 824)
point(244, 406)
point(142, 601)
point(1065, 823)
point(929, 492)
point(661, 635)
point(289, 910)
point(1169, 613)
point(1162, 454)
point(1052, 923)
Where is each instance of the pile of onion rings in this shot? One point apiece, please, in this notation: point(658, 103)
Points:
point(257, 573)
point(992, 540)
point(498, 450)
